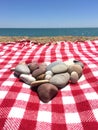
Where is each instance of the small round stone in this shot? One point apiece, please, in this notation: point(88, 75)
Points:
point(49, 73)
point(47, 91)
point(48, 77)
point(74, 77)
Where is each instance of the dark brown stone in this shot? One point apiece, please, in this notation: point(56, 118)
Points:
point(33, 66)
point(38, 72)
point(47, 91)
point(43, 65)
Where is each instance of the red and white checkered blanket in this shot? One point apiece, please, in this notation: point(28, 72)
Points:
point(74, 108)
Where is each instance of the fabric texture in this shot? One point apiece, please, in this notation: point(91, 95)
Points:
point(76, 105)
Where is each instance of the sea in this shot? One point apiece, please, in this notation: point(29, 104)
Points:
point(39, 32)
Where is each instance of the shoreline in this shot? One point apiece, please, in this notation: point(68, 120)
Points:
point(47, 39)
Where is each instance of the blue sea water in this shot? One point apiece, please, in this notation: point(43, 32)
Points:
point(37, 32)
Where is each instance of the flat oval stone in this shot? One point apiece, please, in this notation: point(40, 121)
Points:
point(60, 80)
point(39, 82)
point(46, 92)
point(28, 79)
point(77, 68)
point(59, 68)
point(22, 68)
point(33, 66)
point(38, 72)
point(53, 64)
point(74, 77)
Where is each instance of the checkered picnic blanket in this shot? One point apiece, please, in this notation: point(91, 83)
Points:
point(74, 108)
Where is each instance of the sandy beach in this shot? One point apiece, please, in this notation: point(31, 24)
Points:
point(46, 39)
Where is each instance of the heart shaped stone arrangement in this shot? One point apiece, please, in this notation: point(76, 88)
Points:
point(48, 79)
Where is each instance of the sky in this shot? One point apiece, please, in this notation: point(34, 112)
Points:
point(48, 13)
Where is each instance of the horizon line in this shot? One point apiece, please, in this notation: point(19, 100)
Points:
point(44, 27)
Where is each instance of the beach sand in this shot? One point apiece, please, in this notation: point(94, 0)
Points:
point(46, 39)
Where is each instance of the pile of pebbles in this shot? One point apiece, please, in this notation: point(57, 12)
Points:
point(49, 79)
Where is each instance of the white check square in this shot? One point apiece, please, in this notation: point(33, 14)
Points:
point(8, 83)
point(3, 94)
point(95, 111)
point(91, 96)
point(26, 86)
point(68, 100)
point(44, 116)
point(16, 112)
point(23, 96)
point(86, 85)
point(72, 118)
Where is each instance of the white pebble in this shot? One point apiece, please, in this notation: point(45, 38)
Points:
point(49, 73)
point(74, 77)
point(48, 77)
point(28, 79)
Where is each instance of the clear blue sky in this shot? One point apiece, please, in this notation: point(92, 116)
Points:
point(48, 13)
